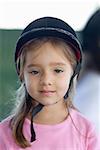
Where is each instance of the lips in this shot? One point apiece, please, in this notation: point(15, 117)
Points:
point(47, 93)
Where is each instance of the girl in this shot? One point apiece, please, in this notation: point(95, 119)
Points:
point(48, 59)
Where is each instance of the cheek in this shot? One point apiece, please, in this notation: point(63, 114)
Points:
point(31, 88)
point(29, 83)
point(28, 86)
point(64, 83)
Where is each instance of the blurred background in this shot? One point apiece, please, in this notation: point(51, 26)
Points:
point(14, 16)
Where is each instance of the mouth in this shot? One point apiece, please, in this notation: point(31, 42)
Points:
point(47, 93)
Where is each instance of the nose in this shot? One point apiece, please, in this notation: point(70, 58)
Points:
point(46, 79)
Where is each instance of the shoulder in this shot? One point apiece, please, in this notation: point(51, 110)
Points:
point(6, 137)
point(82, 123)
point(5, 121)
point(86, 130)
point(5, 125)
point(76, 114)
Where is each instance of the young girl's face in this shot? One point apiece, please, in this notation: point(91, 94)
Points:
point(47, 73)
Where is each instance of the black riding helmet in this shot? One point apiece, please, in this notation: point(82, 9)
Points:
point(48, 27)
point(51, 27)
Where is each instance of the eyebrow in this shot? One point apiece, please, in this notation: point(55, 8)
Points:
point(51, 64)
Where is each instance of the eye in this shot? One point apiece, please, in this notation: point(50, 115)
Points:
point(34, 72)
point(58, 71)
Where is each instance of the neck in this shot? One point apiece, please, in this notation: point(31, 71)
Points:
point(52, 114)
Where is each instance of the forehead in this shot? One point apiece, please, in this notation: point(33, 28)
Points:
point(45, 53)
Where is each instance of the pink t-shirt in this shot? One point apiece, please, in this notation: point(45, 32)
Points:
point(68, 135)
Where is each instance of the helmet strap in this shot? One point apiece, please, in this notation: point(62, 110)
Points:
point(34, 112)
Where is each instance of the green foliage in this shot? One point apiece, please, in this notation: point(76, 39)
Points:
point(8, 76)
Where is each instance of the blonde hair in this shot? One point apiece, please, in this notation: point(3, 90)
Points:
point(25, 101)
